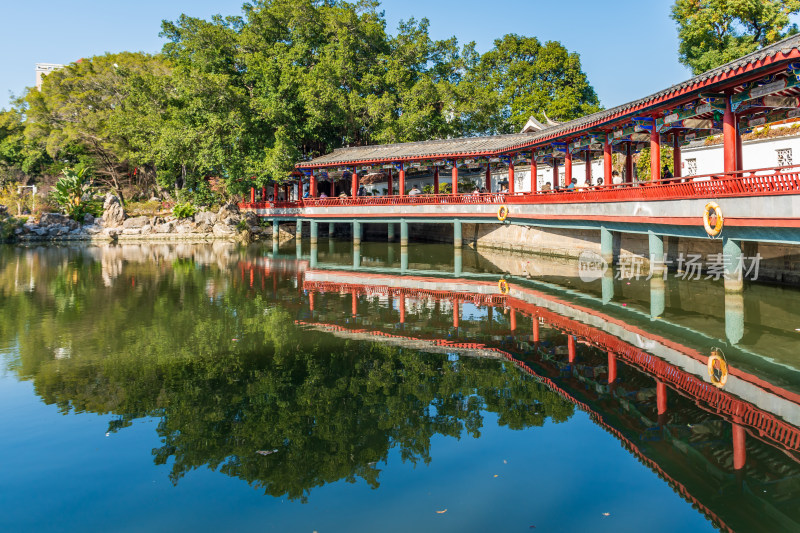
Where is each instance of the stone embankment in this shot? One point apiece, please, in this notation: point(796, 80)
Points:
point(227, 223)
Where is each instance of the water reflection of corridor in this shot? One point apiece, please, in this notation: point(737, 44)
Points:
point(649, 391)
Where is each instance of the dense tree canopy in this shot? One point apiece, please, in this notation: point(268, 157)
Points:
point(248, 96)
point(714, 32)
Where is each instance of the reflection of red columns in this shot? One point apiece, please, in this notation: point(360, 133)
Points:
point(568, 167)
point(676, 156)
point(655, 155)
point(251, 278)
point(607, 161)
point(535, 329)
point(511, 177)
point(455, 313)
point(628, 163)
point(252, 195)
point(729, 134)
point(490, 316)
point(571, 348)
point(661, 397)
point(488, 184)
point(310, 301)
point(455, 177)
point(534, 174)
point(402, 305)
point(435, 180)
point(354, 304)
point(513, 320)
point(390, 183)
point(739, 448)
point(612, 368)
point(274, 283)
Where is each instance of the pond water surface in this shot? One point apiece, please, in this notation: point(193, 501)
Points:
point(220, 387)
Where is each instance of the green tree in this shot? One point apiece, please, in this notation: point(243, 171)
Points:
point(714, 32)
point(643, 162)
point(519, 78)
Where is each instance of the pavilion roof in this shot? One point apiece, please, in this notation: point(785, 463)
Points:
point(725, 75)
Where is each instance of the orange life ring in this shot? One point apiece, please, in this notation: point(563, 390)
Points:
point(502, 213)
point(717, 368)
point(502, 285)
point(713, 232)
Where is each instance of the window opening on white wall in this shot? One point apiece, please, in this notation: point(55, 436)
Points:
point(691, 167)
point(784, 156)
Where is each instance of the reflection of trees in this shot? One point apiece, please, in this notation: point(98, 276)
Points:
point(331, 408)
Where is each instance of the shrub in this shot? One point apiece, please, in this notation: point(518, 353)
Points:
point(70, 192)
point(184, 210)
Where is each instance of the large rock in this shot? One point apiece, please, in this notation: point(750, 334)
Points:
point(166, 227)
point(228, 210)
point(88, 219)
point(205, 217)
point(113, 213)
point(251, 218)
point(54, 219)
point(223, 230)
point(136, 222)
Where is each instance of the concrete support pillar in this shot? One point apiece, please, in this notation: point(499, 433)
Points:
point(390, 256)
point(607, 245)
point(734, 316)
point(612, 367)
point(607, 286)
point(331, 247)
point(733, 260)
point(571, 351)
point(403, 259)
point(534, 173)
point(657, 297)
point(314, 255)
point(657, 256)
point(568, 167)
point(274, 247)
point(403, 233)
point(314, 231)
point(298, 230)
point(739, 446)
point(458, 262)
point(488, 183)
point(729, 134)
point(435, 180)
point(390, 232)
point(455, 177)
point(298, 249)
point(655, 155)
point(276, 234)
point(511, 178)
point(457, 240)
point(402, 180)
point(677, 170)
point(356, 255)
point(331, 228)
point(356, 232)
point(607, 161)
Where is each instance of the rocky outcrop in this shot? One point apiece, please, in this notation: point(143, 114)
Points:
point(113, 213)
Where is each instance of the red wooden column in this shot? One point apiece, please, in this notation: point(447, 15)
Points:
point(555, 172)
point(661, 397)
point(607, 161)
point(612, 367)
point(676, 156)
point(354, 183)
point(571, 348)
point(275, 192)
point(729, 134)
point(511, 177)
point(488, 184)
point(263, 194)
point(286, 193)
point(628, 163)
point(534, 173)
point(311, 301)
point(588, 165)
point(312, 186)
point(535, 329)
point(402, 180)
point(354, 304)
point(390, 183)
point(655, 155)
point(402, 305)
point(739, 446)
point(739, 160)
point(513, 319)
point(455, 177)
point(568, 167)
point(252, 195)
point(435, 180)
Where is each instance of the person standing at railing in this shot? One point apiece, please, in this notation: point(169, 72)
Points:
point(616, 179)
point(665, 173)
point(414, 191)
point(546, 187)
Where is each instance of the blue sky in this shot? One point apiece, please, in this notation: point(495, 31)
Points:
point(628, 48)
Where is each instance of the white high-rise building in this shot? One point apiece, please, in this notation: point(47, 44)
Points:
point(43, 69)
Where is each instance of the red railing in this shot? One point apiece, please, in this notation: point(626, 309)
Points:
point(270, 205)
point(754, 182)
